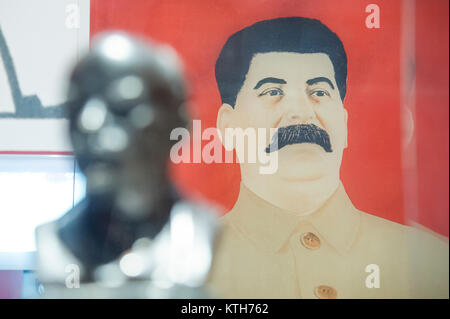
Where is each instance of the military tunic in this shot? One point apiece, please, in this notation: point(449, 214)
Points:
point(335, 252)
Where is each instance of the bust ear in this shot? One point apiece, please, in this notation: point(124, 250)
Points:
point(225, 119)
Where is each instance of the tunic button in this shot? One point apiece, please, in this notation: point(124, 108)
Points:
point(325, 292)
point(310, 241)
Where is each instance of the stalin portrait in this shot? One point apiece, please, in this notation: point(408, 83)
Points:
point(295, 233)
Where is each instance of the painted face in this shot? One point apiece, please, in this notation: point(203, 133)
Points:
point(294, 93)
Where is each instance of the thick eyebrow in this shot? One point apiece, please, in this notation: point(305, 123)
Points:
point(320, 79)
point(269, 80)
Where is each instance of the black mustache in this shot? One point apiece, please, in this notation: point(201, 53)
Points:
point(301, 133)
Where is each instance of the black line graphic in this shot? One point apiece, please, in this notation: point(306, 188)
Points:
point(26, 107)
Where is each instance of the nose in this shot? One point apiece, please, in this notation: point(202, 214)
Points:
point(299, 110)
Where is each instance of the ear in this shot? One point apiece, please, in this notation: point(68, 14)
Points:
point(346, 128)
point(225, 119)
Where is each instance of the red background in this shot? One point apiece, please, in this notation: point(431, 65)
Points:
point(372, 167)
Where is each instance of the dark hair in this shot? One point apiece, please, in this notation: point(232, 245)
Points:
point(293, 34)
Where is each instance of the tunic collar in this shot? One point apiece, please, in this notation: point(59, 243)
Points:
point(269, 227)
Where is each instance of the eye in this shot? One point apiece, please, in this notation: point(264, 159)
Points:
point(320, 93)
point(272, 92)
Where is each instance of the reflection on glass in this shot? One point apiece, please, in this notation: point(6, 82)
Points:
point(34, 190)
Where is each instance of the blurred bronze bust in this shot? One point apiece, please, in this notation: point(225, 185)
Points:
point(125, 97)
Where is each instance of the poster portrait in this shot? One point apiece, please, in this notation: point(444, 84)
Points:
point(344, 105)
